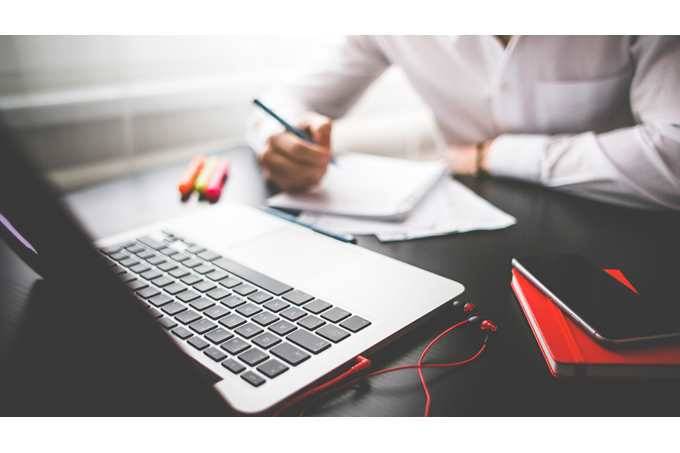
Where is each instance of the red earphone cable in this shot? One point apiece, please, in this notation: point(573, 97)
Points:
point(363, 362)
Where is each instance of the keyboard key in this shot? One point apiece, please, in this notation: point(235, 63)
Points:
point(167, 323)
point(137, 284)
point(289, 353)
point(308, 341)
point(179, 272)
point(245, 289)
point(253, 356)
point(179, 256)
point(188, 295)
point(118, 270)
point(182, 332)
point(162, 281)
point(232, 301)
point(217, 275)
point(135, 248)
point(235, 346)
point(148, 292)
point(151, 242)
point(266, 340)
point(202, 303)
point(167, 266)
point(203, 286)
point(253, 378)
point(193, 262)
point(230, 282)
point(215, 354)
point(215, 312)
point(173, 308)
point(139, 268)
point(272, 368)
point(202, 326)
point(282, 328)
point(265, 318)
point(232, 321)
point(204, 269)
point(355, 323)
point(208, 255)
point(233, 366)
point(276, 305)
point(191, 279)
point(333, 333)
point(218, 293)
point(219, 335)
point(167, 251)
point(127, 277)
point(146, 254)
point(119, 256)
point(293, 313)
point(248, 330)
point(127, 262)
point(187, 317)
point(259, 297)
point(198, 343)
point(248, 310)
point(156, 259)
point(195, 249)
point(174, 288)
point(317, 306)
point(151, 274)
point(257, 278)
point(311, 322)
point(297, 297)
point(160, 299)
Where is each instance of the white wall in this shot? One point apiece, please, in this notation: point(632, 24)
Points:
point(92, 107)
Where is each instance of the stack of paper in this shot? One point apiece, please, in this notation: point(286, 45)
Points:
point(394, 199)
point(449, 208)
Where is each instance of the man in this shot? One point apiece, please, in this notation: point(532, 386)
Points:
point(595, 116)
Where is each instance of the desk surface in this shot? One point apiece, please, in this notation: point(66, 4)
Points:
point(511, 378)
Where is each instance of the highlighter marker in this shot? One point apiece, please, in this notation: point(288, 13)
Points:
point(219, 176)
point(204, 177)
point(186, 185)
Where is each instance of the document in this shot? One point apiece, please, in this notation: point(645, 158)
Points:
point(367, 186)
point(449, 207)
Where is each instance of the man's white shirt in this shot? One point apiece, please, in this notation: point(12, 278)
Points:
point(598, 116)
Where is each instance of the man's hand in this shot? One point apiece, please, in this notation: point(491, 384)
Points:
point(296, 165)
point(467, 159)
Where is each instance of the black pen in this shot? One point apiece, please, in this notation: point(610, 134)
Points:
point(299, 133)
point(285, 216)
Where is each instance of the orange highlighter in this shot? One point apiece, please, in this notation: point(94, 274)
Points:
point(219, 176)
point(186, 185)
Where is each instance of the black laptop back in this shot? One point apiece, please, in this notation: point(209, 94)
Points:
point(84, 345)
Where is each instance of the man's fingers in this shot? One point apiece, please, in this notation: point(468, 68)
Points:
point(319, 127)
point(299, 150)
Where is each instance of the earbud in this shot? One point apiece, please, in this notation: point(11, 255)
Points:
point(465, 307)
point(488, 326)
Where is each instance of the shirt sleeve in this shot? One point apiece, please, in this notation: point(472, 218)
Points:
point(331, 90)
point(636, 166)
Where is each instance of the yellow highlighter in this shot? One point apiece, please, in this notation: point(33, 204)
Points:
point(204, 178)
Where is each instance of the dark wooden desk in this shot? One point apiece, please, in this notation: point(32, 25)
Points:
point(511, 378)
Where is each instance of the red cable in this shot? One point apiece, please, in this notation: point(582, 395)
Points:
point(363, 362)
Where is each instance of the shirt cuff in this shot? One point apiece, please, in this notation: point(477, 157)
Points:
point(517, 156)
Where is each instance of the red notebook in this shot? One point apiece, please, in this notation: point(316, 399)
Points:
point(570, 351)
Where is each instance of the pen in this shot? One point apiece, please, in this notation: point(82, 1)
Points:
point(290, 128)
point(285, 216)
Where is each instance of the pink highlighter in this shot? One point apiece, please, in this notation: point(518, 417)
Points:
point(219, 176)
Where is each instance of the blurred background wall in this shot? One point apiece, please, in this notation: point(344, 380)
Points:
point(94, 107)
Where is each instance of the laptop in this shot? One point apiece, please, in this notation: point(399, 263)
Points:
point(265, 307)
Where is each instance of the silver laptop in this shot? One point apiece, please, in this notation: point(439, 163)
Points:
point(268, 306)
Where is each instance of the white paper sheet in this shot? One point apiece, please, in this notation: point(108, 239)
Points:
point(450, 207)
point(367, 186)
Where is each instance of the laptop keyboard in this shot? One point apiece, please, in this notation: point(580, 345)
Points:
point(255, 326)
